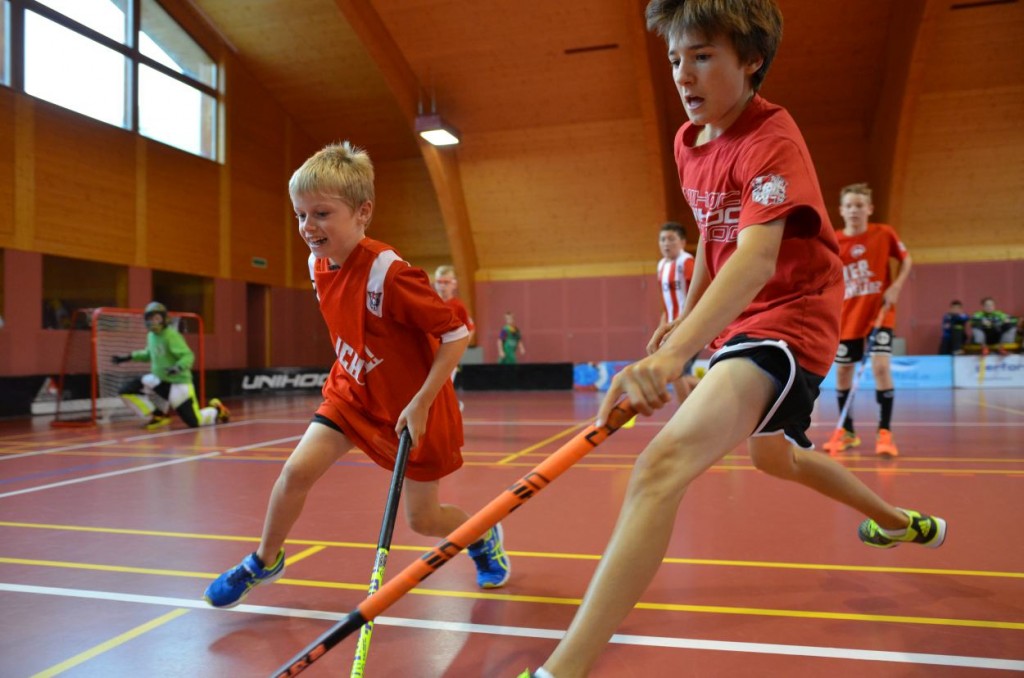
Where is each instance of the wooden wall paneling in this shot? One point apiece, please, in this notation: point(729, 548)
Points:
point(407, 215)
point(576, 194)
point(7, 165)
point(963, 198)
point(257, 158)
point(442, 164)
point(908, 49)
point(443, 167)
point(839, 152)
point(907, 41)
point(24, 171)
point(650, 63)
point(182, 211)
point(977, 48)
point(84, 187)
point(257, 231)
point(300, 147)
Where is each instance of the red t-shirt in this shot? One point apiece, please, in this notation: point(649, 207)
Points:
point(757, 171)
point(386, 322)
point(461, 312)
point(868, 275)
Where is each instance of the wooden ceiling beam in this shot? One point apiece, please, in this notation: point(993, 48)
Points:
point(442, 164)
point(910, 37)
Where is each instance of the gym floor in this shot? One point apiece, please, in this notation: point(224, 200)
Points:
point(110, 534)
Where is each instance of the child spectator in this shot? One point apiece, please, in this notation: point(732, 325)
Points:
point(954, 329)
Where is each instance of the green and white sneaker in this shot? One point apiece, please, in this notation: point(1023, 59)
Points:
point(926, 530)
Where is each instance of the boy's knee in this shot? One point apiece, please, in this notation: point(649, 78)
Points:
point(662, 473)
point(296, 478)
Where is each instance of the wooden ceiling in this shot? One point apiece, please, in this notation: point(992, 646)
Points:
point(501, 70)
point(497, 66)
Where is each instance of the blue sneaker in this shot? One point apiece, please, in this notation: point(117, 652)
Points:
point(233, 586)
point(492, 566)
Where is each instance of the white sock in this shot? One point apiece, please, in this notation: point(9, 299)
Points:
point(542, 673)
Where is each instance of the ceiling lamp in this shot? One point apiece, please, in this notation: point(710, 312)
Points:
point(436, 130)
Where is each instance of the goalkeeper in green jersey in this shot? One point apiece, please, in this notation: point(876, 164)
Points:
point(169, 382)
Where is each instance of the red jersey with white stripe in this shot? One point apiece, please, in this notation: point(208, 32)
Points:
point(867, 274)
point(759, 170)
point(674, 276)
point(386, 322)
point(461, 312)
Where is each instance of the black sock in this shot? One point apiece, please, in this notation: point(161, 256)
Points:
point(885, 399)
point(841, 396)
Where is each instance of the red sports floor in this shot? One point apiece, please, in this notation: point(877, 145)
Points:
point(110, 535)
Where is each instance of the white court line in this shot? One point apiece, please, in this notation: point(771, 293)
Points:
point(147, 467)
point(80, 446)
point(550, 634)
point(115, 441)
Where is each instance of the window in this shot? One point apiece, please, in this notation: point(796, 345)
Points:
point(83, 55)
point(5, 59)
point(82, 75)
point(71, 284)
point(185, 293)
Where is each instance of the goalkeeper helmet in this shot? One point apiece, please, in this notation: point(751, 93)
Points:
point(155, 308)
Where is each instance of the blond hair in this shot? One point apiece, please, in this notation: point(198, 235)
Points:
point(754, 27)
point(444, 270)
point(859, 189)
point(341, 171)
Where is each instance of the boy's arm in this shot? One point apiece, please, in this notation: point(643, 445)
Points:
point(749, 268)
point(415, 413)
point(893, 292)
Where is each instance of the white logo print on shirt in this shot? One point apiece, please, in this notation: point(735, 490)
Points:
point(769, 190)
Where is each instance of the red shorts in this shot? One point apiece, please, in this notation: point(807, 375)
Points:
point(437, 455)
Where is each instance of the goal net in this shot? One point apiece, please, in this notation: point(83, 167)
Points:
point(87, 389)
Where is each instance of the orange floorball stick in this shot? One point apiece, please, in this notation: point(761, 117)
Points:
point(469, 532)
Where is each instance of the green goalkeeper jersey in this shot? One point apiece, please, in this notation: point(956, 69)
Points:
point(165, 350)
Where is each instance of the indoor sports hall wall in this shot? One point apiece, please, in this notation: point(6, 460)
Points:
point(564, 218)
point(611, 318)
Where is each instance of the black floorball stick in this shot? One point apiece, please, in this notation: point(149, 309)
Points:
point(387, 528)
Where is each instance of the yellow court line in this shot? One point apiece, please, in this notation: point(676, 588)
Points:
point(319, 545)
point(867, 469)
point(110, 644)
point(552, 600)
point(544, 442)
point(302, 555)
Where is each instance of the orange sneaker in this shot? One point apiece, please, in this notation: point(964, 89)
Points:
point(884, 444)
point(841, 440)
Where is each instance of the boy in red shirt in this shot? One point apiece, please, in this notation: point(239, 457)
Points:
point(766, 293)
point(396, 344)
point(866, 250)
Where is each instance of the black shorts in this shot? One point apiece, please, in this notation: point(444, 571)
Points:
point(851, 351)
point(796, 388)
